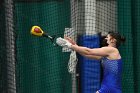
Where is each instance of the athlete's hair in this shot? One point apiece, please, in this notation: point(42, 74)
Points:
point(103, 41)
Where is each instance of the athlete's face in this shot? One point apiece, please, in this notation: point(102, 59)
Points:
point(109, 39)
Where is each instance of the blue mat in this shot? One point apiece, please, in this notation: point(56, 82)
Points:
point(89, 69)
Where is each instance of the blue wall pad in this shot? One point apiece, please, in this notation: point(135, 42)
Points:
point(89, 69)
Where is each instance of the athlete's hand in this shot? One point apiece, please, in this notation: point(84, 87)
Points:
point(63, 42)
point(70, 40)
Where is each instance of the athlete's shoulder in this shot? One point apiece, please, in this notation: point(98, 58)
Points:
point(109, 49)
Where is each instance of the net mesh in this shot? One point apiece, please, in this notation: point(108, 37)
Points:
point(44, 64)
point(40, 66)
point(7, 48)
point(2, 49)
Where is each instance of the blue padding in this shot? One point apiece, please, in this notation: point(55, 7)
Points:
point(89, 69)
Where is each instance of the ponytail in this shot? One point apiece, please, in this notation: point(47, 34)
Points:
point(123, 39)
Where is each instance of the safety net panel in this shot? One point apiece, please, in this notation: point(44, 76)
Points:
point(7, 48)
point(41, 65)
point(2, 48)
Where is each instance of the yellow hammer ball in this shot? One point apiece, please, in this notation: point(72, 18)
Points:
point(37, 31)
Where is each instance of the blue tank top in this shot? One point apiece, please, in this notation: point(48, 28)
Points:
point(111, 82)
